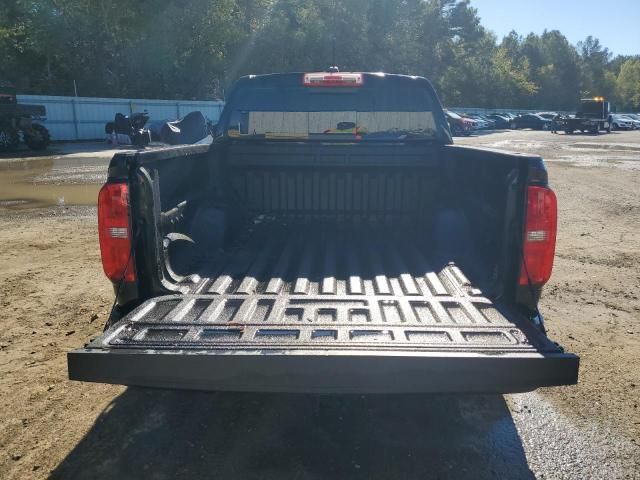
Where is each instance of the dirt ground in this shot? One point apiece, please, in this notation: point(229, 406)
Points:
point(54, 297)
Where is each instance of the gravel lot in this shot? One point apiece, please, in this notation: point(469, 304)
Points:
point(54, 297)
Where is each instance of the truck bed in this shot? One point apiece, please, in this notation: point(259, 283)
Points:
point(338, 301)
point(321, 288)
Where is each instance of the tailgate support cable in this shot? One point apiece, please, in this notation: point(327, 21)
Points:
point(537, 316)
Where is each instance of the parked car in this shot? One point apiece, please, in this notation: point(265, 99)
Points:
point(548, 115)
point(475, 124)
point(334, 263)
point(459, 125)
point(501, 121)
point(620, 122)
point(634, 121)
point(482, 122)
point(531, 120)
point(490, 121)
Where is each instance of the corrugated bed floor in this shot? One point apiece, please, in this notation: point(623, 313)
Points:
point(319, 288)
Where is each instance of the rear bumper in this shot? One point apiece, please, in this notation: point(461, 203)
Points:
point(325, 372)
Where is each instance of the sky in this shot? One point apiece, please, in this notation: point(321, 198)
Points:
point(615, 22)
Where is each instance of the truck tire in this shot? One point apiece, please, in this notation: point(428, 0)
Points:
point(38, 138)
point(9, 139)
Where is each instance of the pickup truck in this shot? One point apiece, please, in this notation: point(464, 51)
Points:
point(331, 239)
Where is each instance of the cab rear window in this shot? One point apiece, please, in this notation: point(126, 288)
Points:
point(282, 105)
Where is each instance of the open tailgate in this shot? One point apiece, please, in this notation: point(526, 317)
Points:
point(427, 333)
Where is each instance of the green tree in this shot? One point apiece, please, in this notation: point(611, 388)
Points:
point(197, 48)
point(628, 84)
point(594, 60)
point(513, 85)
point(558, 75)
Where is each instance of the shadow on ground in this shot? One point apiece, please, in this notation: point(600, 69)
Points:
point(167, 434)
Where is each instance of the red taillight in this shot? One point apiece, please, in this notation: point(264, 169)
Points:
point(322, 79)
point(115, 232)
point(539, 236)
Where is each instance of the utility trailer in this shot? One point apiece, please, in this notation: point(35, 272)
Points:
point(592, 116)
point(284, 258)
point(18, 122)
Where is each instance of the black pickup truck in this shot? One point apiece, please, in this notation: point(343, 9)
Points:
point(332, 239)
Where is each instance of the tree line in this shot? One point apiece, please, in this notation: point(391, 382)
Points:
point(195, 49)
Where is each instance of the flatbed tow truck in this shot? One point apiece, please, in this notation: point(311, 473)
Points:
point(592, 116)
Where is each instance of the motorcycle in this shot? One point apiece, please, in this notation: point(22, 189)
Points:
point(132, 126)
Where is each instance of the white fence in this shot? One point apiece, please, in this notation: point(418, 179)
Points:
point(84, 118)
